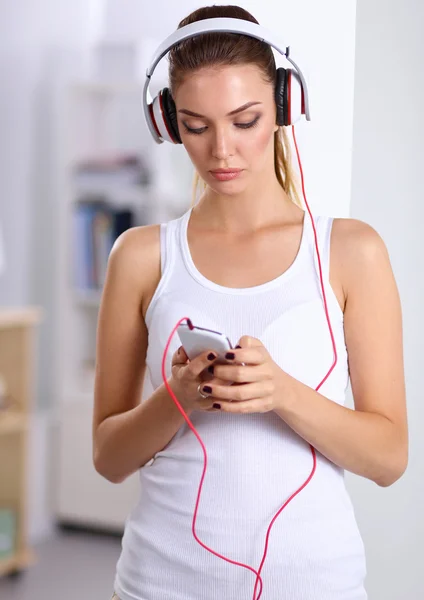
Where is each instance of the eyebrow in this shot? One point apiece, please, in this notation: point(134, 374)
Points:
point(233, 112)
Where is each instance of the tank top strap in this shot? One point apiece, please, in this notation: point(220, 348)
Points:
point(169, 243)
point(168, 255)
point(163, 247)
point(323, 228)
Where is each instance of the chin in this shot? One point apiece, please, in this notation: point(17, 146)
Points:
point(228, 188)
point(223, 189)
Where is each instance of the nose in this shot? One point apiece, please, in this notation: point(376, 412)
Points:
point(222, 145)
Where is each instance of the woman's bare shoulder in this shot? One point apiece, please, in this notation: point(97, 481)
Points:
point(137, 253)
point(355, 246)
point(354, 240)
point(137, 242)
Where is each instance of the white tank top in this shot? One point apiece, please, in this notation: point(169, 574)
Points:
point(255, 461)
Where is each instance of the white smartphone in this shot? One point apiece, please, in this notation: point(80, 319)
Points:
point(196, 340)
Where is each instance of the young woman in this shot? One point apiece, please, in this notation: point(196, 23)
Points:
point(242, 261)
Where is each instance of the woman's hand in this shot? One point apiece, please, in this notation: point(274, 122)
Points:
point(188, 376)
point(259, 384)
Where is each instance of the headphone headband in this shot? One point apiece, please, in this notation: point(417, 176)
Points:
point(217, 24)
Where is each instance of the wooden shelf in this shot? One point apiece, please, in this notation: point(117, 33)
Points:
point(17, 369)
point(17, 317)
point(17, 562)
point(13, 422)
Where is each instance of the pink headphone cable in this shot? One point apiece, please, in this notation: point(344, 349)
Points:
point(257, 573)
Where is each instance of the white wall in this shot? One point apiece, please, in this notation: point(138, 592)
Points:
point(388, 155)
point(28, 32)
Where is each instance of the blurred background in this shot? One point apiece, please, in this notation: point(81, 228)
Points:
point(77, 168)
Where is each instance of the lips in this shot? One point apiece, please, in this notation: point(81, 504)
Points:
point(226, 174)
point(218, 171)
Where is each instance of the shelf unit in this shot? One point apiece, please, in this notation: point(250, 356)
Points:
point(17, 368)
point(93, 119)
point(96, 119)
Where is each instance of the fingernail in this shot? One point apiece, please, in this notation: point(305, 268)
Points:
point(210, 369)
point(218, 406)
point(211, 356)
point(230, 355)
point(238, 346)
point(207, 389)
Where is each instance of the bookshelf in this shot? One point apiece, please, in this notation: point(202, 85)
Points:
point(17, 370)
point(104, 161)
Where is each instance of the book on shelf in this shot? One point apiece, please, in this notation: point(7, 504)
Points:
point(97, 225)
point(8, 531)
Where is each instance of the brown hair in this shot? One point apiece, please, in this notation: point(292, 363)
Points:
point(221, 48)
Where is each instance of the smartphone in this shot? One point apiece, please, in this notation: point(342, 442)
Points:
point(196, 340)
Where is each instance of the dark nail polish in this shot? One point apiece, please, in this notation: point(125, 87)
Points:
point(218, 406)
point(238, 346)
point(211, 356)
point(211, 369)
point(230, 355)
point(207, 389)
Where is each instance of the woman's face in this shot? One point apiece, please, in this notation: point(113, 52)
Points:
point(217, 135)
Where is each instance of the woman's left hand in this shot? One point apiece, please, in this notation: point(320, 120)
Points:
point(259, 385)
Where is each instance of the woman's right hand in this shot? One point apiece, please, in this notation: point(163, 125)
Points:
point(186, 377)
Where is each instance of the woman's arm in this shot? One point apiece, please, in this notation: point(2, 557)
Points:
point(127, 434)
point(371, 440)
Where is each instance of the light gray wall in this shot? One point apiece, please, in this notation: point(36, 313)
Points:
point(28, 32)
point(388, 155)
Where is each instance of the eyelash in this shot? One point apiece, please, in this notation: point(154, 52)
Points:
point(239, 125)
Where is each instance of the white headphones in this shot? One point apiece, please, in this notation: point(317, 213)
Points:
point(291, 94)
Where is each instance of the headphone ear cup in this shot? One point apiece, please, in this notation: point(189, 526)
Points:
point(295, 97)
point(281, 99)
point(170, 115)
point(289, 97)
point(163, 116)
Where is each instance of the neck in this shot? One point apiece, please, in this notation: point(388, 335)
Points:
point(260, 205)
